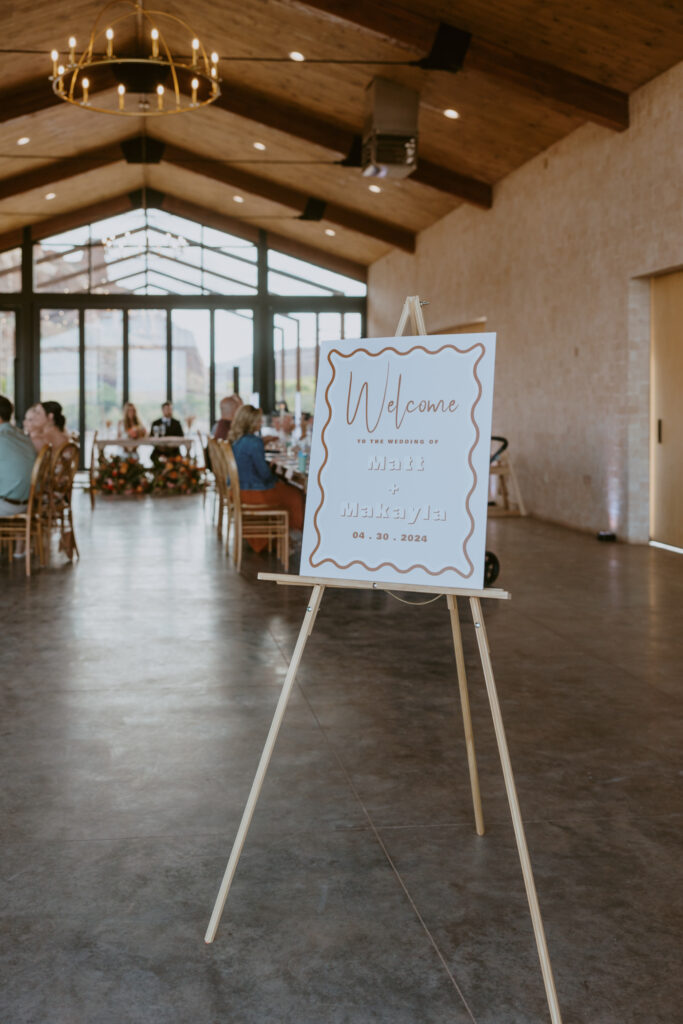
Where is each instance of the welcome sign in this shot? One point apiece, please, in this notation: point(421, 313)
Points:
point(398, 481)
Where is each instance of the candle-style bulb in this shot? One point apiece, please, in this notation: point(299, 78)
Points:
point(121, 89)
point(160, 97)
point(155, 42)
point(195, 85)
point(86, 85)
point(55, 58)
point(72, 49)
point(110, 42)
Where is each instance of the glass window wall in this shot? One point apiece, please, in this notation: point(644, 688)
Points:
point(8, 330)
point(143, 252)
point(297, 338)
point(233, 353)
point(10, 271)
point(147, 362)
point(60, 361)
point(191, 367)
point(103, 383)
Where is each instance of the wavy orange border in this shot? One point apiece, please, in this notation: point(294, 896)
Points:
point(382, 565)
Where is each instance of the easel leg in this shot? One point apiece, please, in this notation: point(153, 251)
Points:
point(517, 822)
point(304, 633)
point(466, 716)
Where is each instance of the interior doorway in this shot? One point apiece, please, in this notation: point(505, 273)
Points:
point(666, 410)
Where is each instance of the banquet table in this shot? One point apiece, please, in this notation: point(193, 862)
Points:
point(131, 444)
point(287, 467)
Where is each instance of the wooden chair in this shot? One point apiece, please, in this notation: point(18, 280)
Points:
point(250, 522)
point(221, 480)
point(94, 458)
point(64, 468)
point(31, 524)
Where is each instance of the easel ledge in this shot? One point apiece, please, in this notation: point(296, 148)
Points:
point(318, 581)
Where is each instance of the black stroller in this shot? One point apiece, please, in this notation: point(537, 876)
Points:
point(491, 563)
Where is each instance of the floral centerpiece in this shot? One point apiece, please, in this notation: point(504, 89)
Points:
point(124, 474)
point(177, 474)
point(121, 474)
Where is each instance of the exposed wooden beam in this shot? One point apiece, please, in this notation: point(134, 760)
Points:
point(28, 98)
point(340, 139)
point(417, 33)
point(48, 174)
point(388, 21)
point(217, 171)
point(83, 215)
point(296, 122)
point(568, 92)
point(292, 198)
point(290, 246)
point(471, 190)
point(285, 117)
point(11, 239)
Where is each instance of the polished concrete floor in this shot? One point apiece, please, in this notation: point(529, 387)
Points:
point(137, 690)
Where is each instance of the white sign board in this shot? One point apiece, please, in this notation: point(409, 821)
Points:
point(398, 480)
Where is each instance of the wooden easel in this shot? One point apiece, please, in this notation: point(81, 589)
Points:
point(412, 311)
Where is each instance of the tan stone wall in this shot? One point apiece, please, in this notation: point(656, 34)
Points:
point(555, 268)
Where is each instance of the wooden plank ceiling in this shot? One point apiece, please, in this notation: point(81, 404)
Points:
point(533, 71)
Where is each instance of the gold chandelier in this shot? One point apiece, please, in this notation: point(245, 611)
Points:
point(144, 78)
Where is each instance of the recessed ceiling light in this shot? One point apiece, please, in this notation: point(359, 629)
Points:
point(453, 114)
point(51, 195)
point(374, 188)
point(260, 145)
point(238, 199)
point(331, 232)
point(23, 140)
point(295, 55)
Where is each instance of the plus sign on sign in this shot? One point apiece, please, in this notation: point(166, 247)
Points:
point(398, 482)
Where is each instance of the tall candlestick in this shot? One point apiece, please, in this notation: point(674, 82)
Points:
point(110, 42)
point(86, 85)
point(72, 50)
point(155, 42)
point(122, 94)
point(160, 97)
point(55, 58)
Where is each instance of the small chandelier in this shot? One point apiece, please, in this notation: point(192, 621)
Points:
point(143, 78)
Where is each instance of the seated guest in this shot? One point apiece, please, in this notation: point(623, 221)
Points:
point(258, 484)
point(130, 425)
point(229, 407)
point(166, 427)
point(17, 455)
point(44, 423)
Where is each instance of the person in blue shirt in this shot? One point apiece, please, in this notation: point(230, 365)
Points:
point(17, 456)
point(258, 483)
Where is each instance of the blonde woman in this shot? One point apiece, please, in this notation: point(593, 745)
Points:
point(258, 484)
point(130, 425)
